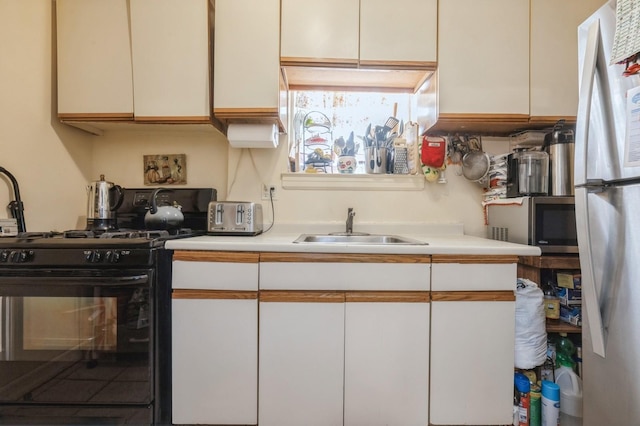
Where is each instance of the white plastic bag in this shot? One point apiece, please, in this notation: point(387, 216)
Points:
point(531, 331)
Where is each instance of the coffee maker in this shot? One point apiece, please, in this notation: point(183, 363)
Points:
point(102, 201)
point(527, 173)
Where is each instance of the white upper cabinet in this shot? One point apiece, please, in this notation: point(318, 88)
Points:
point(134, 60)
point(248, 82)
point(326, 31)
point(94, 61)
point(170, 53)
point(401, 31)
point(554, 58)
point(483, 63)
point(367, 33)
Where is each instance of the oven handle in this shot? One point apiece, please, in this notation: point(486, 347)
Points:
point(84, 281)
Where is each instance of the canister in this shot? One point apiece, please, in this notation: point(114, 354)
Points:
point(550, 404)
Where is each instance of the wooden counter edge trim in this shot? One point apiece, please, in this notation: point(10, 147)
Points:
point(473, 296)
point(388, 296)
point(216, 256)
point(474, 258)
point(343, 257)
point(302, 296)
point(213, 294)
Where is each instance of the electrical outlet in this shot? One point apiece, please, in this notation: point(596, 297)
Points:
point(268, 192)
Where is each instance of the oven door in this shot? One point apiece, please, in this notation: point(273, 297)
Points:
point(80, 338)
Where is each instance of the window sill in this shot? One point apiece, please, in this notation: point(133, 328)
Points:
point(355, 182)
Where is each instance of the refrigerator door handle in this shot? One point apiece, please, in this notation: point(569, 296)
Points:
point(591, 299)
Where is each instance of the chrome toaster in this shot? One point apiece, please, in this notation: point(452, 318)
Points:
point(234, 218)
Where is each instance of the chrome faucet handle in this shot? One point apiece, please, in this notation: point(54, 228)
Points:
point(350, 215)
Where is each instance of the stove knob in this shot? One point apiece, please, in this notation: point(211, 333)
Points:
point(25, 256)
point(112, 256)
point(93, 256)
point(4, 255)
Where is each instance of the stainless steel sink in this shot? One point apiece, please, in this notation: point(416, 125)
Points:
point(371, 239)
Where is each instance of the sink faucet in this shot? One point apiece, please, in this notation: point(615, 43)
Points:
point(350, 215)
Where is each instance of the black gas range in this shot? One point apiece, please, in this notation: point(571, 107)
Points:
point(85, 319)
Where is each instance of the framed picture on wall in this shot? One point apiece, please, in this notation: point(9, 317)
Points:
point(165, 169)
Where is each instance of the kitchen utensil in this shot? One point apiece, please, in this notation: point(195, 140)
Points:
point(475, 165)
point(103, 200)
point(350, 145)
point(163, 217)
point(390, 124)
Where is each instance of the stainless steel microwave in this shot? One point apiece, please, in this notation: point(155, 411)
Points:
point(546, 222)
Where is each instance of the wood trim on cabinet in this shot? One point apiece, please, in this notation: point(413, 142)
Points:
point(213, 294)
point(231, 113)
point(302, 296)
point(216, 256)
point(398, 65)
point(343, 258)
point(286, 61)
point(388, 296)
point(195, 119)
point(551, 262)
point(544, 121)
point(101, 116)
point(453, 258)
point(473, 296)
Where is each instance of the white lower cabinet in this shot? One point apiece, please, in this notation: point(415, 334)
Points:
point(214, 361)
point(325, 362)
point(214, 338)
point(301, 363)
point(386, 378)
point(472, 340)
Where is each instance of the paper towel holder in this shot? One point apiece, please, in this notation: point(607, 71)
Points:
point(253, 135)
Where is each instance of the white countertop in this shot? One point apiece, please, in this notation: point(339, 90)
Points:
point(440, 239)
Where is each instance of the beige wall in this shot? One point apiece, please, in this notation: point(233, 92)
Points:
point(54, 163)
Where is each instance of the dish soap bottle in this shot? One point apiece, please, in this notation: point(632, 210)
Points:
point(551, 301)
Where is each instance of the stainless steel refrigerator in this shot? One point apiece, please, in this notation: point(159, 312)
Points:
point(607, 197)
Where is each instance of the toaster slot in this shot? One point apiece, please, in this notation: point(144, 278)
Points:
point(239, 214)
point(219, 214)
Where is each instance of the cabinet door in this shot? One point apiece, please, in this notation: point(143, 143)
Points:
point(247, 59)
point(398, 31)
point(94, 59)
point(171, 57)
point(386, 361)
point(325, 31)
point(483, 57)
point(471, 360)
point(301, 363)
point(214, 360)
point(554, 57)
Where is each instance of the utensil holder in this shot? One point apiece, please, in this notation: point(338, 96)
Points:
point(376, 160)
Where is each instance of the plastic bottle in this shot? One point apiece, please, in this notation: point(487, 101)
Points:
point(523, 388)
point(570, 391)
point(535, 406)
point(550, 404)
point(565, 351)
point(551, 301)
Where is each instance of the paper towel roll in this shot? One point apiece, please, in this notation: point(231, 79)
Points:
point(252, 135)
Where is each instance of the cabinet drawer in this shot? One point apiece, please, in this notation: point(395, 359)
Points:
point(337, 275)
point(215, 271)
point(473, 276)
